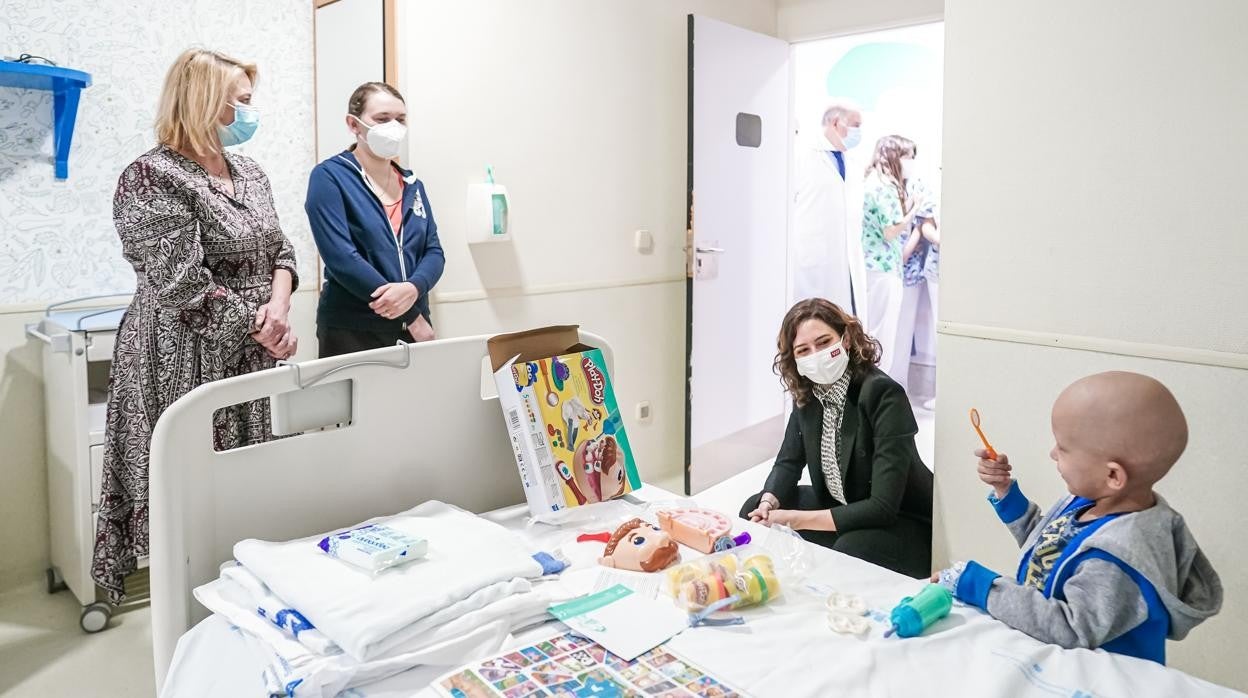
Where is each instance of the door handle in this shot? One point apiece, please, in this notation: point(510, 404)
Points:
point(710, 250)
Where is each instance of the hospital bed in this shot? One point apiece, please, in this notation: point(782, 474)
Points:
point(413, 423)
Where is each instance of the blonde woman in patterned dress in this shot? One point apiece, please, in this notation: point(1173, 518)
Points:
point(214, 278)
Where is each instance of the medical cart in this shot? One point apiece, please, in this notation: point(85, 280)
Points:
point(77, 356)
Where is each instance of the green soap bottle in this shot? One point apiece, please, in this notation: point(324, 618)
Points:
point(499, 202)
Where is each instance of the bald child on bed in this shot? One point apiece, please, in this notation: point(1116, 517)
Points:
point(1111, 565)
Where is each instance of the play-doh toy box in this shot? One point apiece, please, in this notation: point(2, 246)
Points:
point(562, 418)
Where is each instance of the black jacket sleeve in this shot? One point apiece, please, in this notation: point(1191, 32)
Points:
point(883, 403)
point(782, 482)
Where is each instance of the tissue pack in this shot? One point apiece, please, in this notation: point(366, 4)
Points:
point(374, 547)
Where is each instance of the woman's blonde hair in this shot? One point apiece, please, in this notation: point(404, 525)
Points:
point(196, 89)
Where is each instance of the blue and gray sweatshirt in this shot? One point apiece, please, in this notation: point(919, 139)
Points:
point(361, 251)
point(1124, 582)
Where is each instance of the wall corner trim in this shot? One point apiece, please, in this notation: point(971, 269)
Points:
point(1101, 345)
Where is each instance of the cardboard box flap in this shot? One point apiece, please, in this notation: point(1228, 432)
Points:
point(531, 345)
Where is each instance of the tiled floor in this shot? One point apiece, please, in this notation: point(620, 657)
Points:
point(722, 459)
point(44, 652)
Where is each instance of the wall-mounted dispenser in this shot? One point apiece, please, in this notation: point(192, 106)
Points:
point(488, 208)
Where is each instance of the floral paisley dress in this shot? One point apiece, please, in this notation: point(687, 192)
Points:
point(204, 262)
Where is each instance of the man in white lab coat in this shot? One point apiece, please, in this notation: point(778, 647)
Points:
point(827, 259)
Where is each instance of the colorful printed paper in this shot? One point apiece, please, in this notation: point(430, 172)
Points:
point(567, 666)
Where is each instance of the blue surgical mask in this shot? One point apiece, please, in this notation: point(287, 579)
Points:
point(853, 136)
point(246, 121)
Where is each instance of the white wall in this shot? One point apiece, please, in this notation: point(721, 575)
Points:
point(1092, 161)
point(1136, 134)
point(799, 20)
point(581, 109)
point(57, 239)
point(23, 500)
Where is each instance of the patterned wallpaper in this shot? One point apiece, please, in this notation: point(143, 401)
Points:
point(56, 237)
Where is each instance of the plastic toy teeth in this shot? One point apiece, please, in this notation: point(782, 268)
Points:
point(845, 603)
point(848, 625)
point(846, 614)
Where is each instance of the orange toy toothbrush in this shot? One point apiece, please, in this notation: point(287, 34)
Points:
point(992, 452)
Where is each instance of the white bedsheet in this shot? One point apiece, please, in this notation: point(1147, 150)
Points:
point(295, 668)
point(779, 654)
point(786, 650)
point(360, 613)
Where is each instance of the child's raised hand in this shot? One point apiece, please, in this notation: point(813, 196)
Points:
point(995, 473)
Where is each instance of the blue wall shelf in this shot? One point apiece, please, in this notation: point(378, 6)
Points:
point(65, 86)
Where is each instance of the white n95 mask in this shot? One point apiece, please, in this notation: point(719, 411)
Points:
point(386, 140)
point(824, 367)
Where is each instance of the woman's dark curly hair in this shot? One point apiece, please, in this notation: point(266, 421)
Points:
point(863, 350)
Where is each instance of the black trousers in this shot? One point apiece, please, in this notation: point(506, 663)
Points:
point(334, 341)
point(904, 547)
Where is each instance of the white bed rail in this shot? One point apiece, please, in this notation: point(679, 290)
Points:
point(418, 432)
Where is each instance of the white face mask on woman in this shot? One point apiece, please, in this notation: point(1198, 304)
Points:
point(907, 169)
point(385, 139)
point(826, 366)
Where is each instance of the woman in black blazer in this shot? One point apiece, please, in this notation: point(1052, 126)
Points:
point(853, 429)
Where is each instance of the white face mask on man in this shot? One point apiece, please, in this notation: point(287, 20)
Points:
point(826, 366)
point(853, 136)
point(385, 139)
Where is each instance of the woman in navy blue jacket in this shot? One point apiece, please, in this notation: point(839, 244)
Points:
point(375, 231)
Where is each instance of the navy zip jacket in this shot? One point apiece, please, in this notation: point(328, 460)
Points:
point(361, 251)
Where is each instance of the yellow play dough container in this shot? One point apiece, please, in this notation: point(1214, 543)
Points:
point(703, 582)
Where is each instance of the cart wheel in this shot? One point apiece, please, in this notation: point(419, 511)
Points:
point(55, 583)
point(95, 617)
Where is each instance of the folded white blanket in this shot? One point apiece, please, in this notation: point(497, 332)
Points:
point(260, 600)
point(294, 669)
point(359, 612)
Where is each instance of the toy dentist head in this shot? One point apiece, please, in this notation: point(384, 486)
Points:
point(639, 546)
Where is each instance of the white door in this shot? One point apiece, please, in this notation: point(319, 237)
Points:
point(738, 115)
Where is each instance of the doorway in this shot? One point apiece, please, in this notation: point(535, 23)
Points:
point(736, 410)
point(895, 78)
